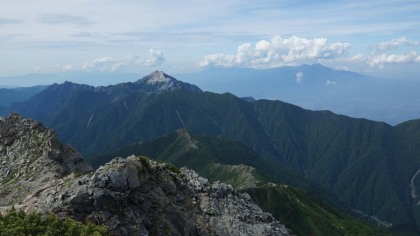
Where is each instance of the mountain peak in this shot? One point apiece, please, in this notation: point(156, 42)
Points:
point(69, 86)
point(158, 81)
point(158, 77)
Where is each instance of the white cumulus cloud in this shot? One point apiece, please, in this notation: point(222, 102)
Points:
point(156, 58)
point(380, 60)
point(381, 55)
point(356, 58)
point(278, 51)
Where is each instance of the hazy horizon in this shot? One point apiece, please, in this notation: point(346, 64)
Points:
point(378, 38)
point(104, 78)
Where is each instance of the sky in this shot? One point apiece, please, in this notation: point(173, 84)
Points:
point(376, 37)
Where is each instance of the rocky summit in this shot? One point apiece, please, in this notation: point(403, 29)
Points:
point(31, 156)
point(131, 196)
point(158, 81)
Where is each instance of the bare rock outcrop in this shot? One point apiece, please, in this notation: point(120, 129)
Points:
point(31, 156)
point(136, 196)
point(131, 196)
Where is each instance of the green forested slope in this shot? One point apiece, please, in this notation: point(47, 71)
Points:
point(220, 159)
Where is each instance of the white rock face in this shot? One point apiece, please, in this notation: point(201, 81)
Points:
point(158, 81)
point(30, 157)
point(158, 77)
point(134, 196)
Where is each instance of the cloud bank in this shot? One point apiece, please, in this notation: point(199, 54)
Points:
point(58, 19)
point(298, 50)
point(395, 43)
point(278, 51)
point(380, 56)
point(383, 59)
point(110, 64)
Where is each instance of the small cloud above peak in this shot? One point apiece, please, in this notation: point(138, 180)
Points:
point(156, 58)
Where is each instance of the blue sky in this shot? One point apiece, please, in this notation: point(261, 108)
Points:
point(46, 36)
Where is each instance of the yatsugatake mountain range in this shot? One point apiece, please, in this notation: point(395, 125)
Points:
point(317, 87)
point(332, 165)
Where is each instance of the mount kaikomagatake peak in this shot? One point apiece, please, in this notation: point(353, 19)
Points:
point(158, 81)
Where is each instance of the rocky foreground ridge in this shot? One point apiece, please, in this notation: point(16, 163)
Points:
point(31, 156)
point(132, 196)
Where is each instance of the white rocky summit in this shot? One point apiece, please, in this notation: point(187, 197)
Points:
point(158, 81)
point(158, 77)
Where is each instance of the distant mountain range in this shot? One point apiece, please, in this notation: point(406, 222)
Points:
point(371, 166)
point(317, 87)
point(11, 95)
point(313, 87)
point(82, 77)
